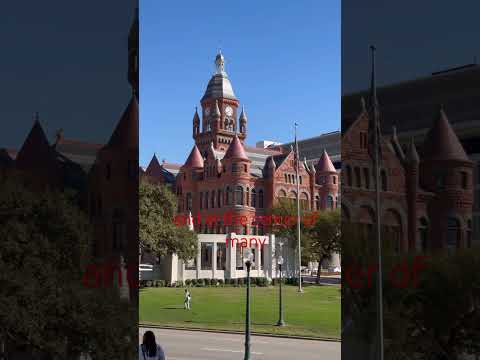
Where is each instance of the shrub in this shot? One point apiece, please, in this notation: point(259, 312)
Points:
point(149, 283)
point(220, 282)
point(200, 283)
point(231, 281)
point(188, 282)
point(262, 281)
point(193, 282)
point(241, 281)
point(179, 283)
point(235, 282)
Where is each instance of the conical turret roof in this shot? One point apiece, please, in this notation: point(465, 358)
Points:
point(243, 116)
point(325, 164)
point(441, 142)
point(195, 159)
point(216, 110)
point(196, 118)
point(236, 150)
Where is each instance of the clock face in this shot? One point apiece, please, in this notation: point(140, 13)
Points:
point(229, 111)
point(207, 111)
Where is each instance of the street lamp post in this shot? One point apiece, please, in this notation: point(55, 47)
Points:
point(248, 263)
point(280, 306)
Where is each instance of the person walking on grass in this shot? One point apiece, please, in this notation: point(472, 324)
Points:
point(149, 349)
point(188, 299)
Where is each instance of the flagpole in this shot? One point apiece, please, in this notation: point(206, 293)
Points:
point(377, 195)
point(298, 212)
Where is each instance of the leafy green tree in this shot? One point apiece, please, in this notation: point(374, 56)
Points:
point(159, 233)
point(44, 306)
point(323, 238)
point(283, 224)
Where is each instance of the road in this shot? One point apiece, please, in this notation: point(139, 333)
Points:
point(197, 345)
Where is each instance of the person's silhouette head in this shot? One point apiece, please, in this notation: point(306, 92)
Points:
point(150, 343)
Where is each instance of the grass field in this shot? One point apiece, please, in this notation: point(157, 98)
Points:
point(316, 312)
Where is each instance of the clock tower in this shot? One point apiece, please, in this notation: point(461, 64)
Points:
point(219, 113)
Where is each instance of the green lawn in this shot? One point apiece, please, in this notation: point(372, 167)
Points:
point(316, 312)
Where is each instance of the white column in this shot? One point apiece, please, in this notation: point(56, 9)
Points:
point(199, 258)
point(214, 259)
point(174, 267)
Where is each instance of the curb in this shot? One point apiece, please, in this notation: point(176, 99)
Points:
point(155, 326)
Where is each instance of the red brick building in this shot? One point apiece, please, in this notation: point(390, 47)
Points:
point(223, 175)
point(426, 200)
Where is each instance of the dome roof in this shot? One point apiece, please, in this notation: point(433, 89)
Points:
point(325, 164)
point(441, 142)
point(195, 159)
point(236, 150)
point(219, 85)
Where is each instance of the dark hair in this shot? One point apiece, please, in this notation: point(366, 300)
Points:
point(149, 343)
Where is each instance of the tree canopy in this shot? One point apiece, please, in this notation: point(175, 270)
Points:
point(43, 303)
point(158, 232)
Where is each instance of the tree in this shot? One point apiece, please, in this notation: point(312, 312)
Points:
point(324, 238)
point(45, 242)
point(158, 232)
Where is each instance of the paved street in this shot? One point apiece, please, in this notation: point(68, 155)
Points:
point(195, 345)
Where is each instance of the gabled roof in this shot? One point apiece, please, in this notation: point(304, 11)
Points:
point(154, 168)
point(126, 133)
point(36, 149)
point(441, 143)
point(236, 150)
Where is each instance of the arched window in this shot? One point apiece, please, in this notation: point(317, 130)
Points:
point(260, 199)
point(254, 198)
point(349, 176)
point(317, 202)
point(248, 197)
point(245, 168)
point(358, 178)
point(321, 180)
point(226, 124)
point(189, 202)
point(228, 195)
point(206, 199)
point(212, 199)
point(286, 178)
point(453, 234)
point(334, 180)
point(300, 178)
point(304, 201)
point(234, 168)
point(201, 200)
point(239, 195)
point(422, 235)
point(282, 194)
point(366, 176)
point(330, 201)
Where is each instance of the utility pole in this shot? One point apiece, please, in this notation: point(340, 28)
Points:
point(375, 128)
point(297, 171)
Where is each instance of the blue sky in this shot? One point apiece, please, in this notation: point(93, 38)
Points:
point(283, 59)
